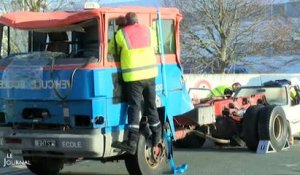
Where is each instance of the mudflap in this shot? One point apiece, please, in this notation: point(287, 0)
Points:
point(174, 169)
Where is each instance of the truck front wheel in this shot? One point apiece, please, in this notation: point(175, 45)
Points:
point(145, 161)
point(250, 127)
point(44, 165)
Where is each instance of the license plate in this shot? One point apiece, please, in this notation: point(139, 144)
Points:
point(44, 143)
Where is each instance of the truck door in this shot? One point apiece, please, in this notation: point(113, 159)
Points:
point(116, 99)
point(293, 109)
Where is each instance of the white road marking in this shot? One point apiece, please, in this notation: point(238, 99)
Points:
point(14, 170)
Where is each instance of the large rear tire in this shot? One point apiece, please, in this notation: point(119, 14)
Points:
point(250, 127)
point(44, 165)
point(142, 163)
point(273, 126)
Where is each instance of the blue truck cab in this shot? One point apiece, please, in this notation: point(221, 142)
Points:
point(61, 93)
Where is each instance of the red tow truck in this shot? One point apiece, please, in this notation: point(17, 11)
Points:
point(220, 119)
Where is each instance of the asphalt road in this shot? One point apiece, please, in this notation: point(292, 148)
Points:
point(210, 160)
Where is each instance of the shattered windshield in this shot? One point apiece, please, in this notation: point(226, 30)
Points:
point(25, 70)
point(33, 58)
point(274, 95)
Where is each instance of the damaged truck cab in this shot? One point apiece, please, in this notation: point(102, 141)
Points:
point(61, 92)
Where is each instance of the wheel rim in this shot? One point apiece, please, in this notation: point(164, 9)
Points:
point(278, 127)
point(150, 158)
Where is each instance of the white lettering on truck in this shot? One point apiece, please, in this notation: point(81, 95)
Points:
point(35, 84)
point(71, 144)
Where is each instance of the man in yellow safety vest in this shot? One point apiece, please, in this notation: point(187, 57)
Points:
point(139, 69)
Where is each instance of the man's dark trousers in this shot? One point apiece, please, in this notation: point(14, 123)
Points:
point(137, 91)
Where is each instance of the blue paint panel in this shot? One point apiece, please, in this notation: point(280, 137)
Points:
point(116, 108)
point(81, 107)
point(173, 74)
point(99, 110)
point(95, 93)
point(117, 113)
point(55, 109)
point(100, 83)
point(13, 110)
point(178, 103)
point(82, 87)
point(112, 82)
point(112, 129)
point(178, 99)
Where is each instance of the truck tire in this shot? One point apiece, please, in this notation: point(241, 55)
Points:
point(142, 162)
point(44, 165)
point(250, 127)
point(273, 126)
point(225, 128)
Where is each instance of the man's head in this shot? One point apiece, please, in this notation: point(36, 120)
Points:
point(236, 86)
point(121, 21)
point(131, 18)
point(228, 92)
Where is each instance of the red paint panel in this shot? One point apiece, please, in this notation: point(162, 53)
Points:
point(220, 105)
point(32, 20)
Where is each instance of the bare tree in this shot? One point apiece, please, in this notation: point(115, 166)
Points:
point(35, 5)
point(278, 34)
point(217, 33)
point(29, 5)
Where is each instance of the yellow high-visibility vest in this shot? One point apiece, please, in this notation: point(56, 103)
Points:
point(138, 61)
point(219, 90)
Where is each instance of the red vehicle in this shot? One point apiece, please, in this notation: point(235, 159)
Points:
point(220, 119)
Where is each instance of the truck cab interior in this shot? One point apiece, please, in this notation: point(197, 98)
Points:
point(80, 40)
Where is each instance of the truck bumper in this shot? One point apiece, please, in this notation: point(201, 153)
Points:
point(77, 143)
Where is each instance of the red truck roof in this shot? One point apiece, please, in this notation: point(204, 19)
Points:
point(32, 20)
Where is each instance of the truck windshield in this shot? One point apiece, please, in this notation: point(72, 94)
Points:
point(274, 95)
point(79, 40)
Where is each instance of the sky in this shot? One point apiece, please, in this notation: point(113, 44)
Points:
point(79, 4)
point(115, 3)
point(123, 2)
point(284, 1)
point(130, 2)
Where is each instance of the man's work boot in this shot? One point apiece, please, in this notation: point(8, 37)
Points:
point(156, 139)
point(126, 145)
point(157, 152)
point(156, 135)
